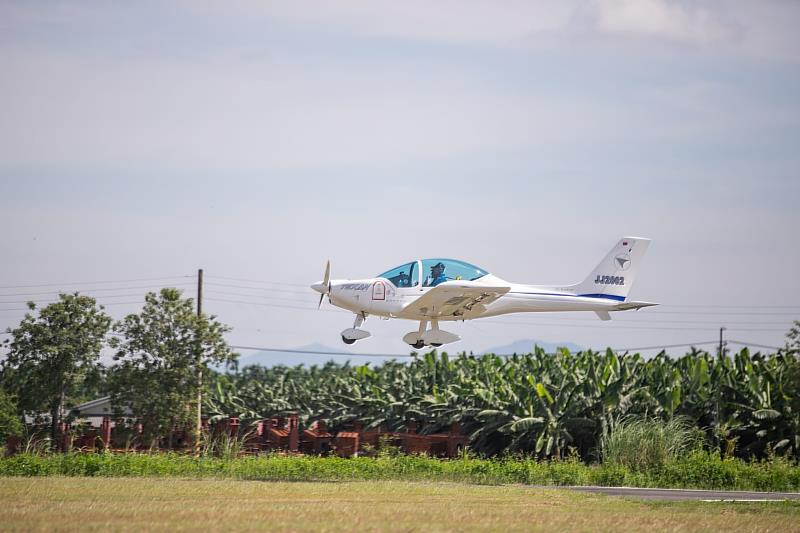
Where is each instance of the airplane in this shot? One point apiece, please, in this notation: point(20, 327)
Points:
point(456, 290)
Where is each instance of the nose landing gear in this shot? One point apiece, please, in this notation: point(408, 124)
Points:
point(351, 335)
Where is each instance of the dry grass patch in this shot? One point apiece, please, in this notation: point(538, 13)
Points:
point(57, 503)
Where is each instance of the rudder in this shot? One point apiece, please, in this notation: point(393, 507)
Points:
point(614, 276)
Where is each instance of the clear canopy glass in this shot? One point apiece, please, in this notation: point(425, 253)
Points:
point(403, 276)
point(436, 271)
point(440, 270)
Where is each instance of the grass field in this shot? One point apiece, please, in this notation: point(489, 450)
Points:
point(59, 503)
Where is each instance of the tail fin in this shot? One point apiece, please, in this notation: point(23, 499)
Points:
point(614, 276)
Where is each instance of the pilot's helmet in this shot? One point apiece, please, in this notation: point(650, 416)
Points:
point(438, 265)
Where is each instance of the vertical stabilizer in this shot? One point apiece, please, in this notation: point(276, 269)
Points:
point(614, 276)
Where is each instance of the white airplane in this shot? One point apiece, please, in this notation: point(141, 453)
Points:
point(455, 290)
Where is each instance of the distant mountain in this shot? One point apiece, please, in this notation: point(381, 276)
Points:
point(300, 355)
point(526, 346)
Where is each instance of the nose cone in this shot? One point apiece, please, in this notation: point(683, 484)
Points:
point(320, 287)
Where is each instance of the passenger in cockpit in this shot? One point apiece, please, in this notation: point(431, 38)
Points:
point(403, 280)
point(437, 275)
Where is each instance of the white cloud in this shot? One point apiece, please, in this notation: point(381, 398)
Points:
point(762, 29)
point(689, 24)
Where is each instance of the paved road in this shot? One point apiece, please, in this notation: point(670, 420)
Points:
point(688, 494)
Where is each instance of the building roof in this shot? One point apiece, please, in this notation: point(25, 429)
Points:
point(99, 407)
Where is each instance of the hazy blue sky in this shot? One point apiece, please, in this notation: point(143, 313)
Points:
point(259, 139)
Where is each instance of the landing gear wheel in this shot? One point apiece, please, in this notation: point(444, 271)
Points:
point(347, 341)
point(418, 345)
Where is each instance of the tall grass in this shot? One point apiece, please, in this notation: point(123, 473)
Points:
point(642, 444)
point(222, 445)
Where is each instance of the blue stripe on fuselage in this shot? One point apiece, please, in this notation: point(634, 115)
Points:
point(602, 296)
point(606, 296)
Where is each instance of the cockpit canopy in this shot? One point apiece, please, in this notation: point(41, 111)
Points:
point(435, 271)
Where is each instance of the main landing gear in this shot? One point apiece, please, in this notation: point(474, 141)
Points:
point(351, 335)
point(433, 337)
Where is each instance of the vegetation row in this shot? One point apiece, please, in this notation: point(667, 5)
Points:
point(543, 405)
point(696, 470)
point(600, 406)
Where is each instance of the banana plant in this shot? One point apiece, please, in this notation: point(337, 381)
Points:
point(536, 403)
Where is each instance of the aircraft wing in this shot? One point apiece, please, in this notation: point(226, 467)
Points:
point(453, 300)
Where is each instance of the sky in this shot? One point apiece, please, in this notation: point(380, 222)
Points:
point(142, 141)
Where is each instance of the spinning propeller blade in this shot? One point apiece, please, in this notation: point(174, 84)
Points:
point(326, 282)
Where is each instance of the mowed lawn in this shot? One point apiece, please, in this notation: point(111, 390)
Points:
point(61, 503)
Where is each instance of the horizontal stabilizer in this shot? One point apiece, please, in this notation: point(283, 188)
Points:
point(625, 306)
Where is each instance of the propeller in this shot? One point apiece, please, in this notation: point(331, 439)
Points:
point(324, 287)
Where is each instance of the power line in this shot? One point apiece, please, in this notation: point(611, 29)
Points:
point(279, 306)
point(632, 324)
point(547, 324)
point(259, 289)
point(710, 313)
point(305, 286)
point(92, 290)
point(621, 317)
point(663, 305)
point(663, 346)
point(92, 282)
point(55, 301)
point(317, 352)
point(101, 304)
point(277, 299)
point(740, 343)
point(348, 354)
point(259, 281)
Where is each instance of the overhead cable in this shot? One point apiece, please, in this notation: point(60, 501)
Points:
point(92, 282)
point(100, 304)
point(259, 281)
point(742, 343)
point(317, 352)
point(56, 291)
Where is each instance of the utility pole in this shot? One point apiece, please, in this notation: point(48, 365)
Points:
point(199, 427)
point(721, 343)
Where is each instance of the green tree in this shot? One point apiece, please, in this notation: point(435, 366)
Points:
point(792, 346)
point(10, 420)
point(162, 352)
point(50, 355)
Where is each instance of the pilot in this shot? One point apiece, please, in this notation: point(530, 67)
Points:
point(437, 275)
point(402, 280)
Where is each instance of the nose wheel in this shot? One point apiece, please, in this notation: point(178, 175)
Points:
point(351, 335)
